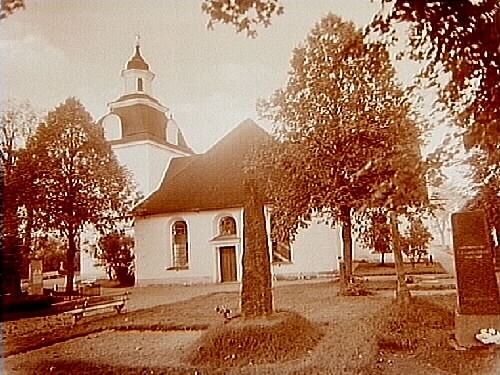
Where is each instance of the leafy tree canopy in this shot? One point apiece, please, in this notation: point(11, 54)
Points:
point(9, 6)
point(17, 121)
point(77, 179)
point(244, 15)
point(347, 133)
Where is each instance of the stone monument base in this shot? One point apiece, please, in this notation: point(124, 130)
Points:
point(467, 326)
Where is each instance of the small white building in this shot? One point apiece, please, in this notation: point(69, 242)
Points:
point(190, 230)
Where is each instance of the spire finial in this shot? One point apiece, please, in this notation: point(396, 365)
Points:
point(137, 40)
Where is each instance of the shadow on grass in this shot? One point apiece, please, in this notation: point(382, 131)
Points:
point(60, 367)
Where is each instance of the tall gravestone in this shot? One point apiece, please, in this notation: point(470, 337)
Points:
point(478, 304)
point(36, 277)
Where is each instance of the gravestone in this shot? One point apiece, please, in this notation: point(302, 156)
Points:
point(36, 277)
point(478, 300)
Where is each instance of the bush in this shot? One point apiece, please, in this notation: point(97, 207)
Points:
point(125, 276)
point(117, 254)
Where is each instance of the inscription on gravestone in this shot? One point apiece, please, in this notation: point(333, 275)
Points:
point(476, 281)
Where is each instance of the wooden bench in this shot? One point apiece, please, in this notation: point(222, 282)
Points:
point(79, 311)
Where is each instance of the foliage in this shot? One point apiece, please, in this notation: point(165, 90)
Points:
point(347, 138)
point(416, 240)
point(461, 38)
point(375, 232)
point(76, 177)
point(17, 121)
point(117, 253)
point(9, 6)
point(487, 195)
point(244, 15)
point(52, 251)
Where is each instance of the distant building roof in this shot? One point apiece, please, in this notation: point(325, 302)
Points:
point(212, 180)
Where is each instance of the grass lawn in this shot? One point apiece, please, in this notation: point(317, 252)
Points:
point(377, 269)
point(360, 335)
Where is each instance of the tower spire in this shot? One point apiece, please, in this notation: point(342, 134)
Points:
point(136, 61)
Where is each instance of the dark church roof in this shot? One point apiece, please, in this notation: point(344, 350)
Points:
point(137, 96)
point(142, 122)
point(136, 61)
point(209, 181)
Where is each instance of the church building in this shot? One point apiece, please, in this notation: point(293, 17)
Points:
point(189, 227)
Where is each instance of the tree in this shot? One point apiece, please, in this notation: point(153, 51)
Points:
point(9, 6)
point(487, 198)
point(256, 285)
point(462, 39)
point(17, 121)
point(375, 232)
point(244, 15)
point(416, 240)
point(117, 253)
point(77, 176)
point(348, 137)
point(51, 250)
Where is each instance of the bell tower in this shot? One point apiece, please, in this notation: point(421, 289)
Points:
point(140, 129)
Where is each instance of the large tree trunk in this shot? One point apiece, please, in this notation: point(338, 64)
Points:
point(256, 288)
point(403, 295)
point(345, 213)
point(70, 260)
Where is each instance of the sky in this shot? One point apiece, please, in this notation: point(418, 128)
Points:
point(210, 80)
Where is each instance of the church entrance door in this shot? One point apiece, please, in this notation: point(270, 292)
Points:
point(227, 263)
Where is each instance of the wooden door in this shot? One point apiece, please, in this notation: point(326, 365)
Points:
point(227, 263)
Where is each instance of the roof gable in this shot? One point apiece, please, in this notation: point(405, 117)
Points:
point(208, 181)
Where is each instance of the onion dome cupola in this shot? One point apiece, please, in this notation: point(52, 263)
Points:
point(136, 116)
point(137, 78)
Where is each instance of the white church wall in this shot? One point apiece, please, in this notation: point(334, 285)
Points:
point(154, 253)
point(314, 251)
point(146, 161)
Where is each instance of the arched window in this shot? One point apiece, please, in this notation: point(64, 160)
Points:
point(227, 226)
point(112, 127)
point(180, 244)
point(140, 85)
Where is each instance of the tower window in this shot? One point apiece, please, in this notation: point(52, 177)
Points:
point(140, 85)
